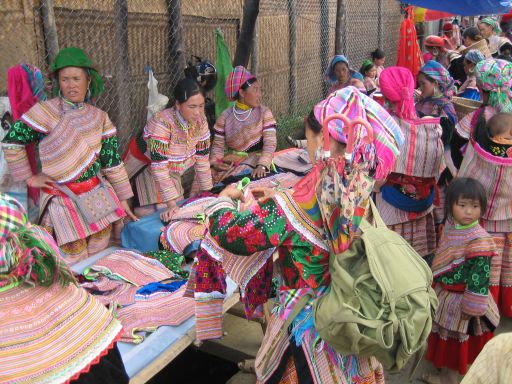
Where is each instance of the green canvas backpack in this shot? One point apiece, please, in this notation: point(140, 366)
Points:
point(380, 301)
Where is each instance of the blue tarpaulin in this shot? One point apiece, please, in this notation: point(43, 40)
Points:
point(465, 7)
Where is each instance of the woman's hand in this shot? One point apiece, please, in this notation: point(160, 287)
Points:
point(166, 216)
point(263, 193)
point(222, 166)
point(232, 192)
point(259, 172)
point(40, 181)
point(128, 210)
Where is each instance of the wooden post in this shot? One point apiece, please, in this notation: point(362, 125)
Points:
point(255, 51)
point(292, 55)
point(51, 39)
point(245, 40)
point(340, 44)
point(324, 40)
point(176, 58)
point(122, 75)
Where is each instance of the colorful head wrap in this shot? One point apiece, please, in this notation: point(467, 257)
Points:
point(367, 64)
point(27, 253)
point(354, 104)
point(495, 77)
point(493, 23)
point(440, 74)
point(474, 56)
point(434, 41)
point(329, 72)
point(448, 27)
point(397, 85)
point(236, 78)
point(76, 57)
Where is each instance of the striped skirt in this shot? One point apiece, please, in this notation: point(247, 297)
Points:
point(501, 272)
point(419, 233)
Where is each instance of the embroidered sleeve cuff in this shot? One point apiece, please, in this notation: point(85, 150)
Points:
point(118, 178)
point(17, 160)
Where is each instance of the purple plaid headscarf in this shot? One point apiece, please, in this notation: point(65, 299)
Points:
point(236, 78)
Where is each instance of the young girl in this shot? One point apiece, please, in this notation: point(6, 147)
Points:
point(369, 71)
point(378, 59)
point(467, 314)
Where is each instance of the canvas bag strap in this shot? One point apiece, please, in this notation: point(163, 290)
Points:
point(69, 193)
point(384, 330)
point(379, 222)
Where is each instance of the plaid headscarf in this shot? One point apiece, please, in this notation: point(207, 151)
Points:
point(28, 254)
point(495, 77)
point(440, 74)
point(329, 72)
point(76, 57)
point(493, 23)
point(353, 104)
point(397, 85)
point(474, 56)
point(236, 78)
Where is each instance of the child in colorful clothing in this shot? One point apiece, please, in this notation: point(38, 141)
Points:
point(487, 159)
point(467, 314)
point(378, 59)
point(369, 71)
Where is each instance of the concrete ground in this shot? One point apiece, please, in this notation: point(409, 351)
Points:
point(244, 337)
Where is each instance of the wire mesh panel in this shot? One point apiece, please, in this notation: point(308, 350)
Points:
point(293, 45)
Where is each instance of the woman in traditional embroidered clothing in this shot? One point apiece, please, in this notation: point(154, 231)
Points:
point(469, 89)
point(467, 314)
point(436, 87)
point(486, 159)
point(491, 31)
point(77, 141)
point(406, 201)
point(277, 220)
point(244, 133)
point(52, 331)
point(174, 140)
point(339, 75)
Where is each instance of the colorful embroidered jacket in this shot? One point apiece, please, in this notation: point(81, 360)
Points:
point(494, 172)
point(256, 133)
point(421, 160)
point(174, 149)
point(75, 143)
point(463, 264)
point(280, 223)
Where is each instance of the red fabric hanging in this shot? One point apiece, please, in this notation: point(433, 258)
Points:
point(409, 53)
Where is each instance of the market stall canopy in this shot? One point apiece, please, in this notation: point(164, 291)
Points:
point(423, 14)
point(465, 7)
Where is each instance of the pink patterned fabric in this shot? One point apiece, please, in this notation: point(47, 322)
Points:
point(397, 85)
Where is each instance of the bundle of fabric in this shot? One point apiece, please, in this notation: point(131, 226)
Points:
point(143, 293)
point(52, 331)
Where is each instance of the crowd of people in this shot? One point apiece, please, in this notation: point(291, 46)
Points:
point(441, 179)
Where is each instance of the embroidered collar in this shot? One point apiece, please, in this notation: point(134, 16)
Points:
point(459, 226)
point(68, 104)
point(242, 106)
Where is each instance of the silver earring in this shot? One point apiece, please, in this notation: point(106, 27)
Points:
point(60, 93)
point(88, 94)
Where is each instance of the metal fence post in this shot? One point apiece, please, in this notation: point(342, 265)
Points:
point(324, 40)
point(380, 37)
point(292, 55)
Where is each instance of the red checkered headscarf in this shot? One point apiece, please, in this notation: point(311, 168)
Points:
point(236, 78)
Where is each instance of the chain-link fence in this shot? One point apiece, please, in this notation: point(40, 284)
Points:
point(293, 44)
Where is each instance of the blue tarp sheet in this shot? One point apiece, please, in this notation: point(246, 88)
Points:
point(465, 7)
